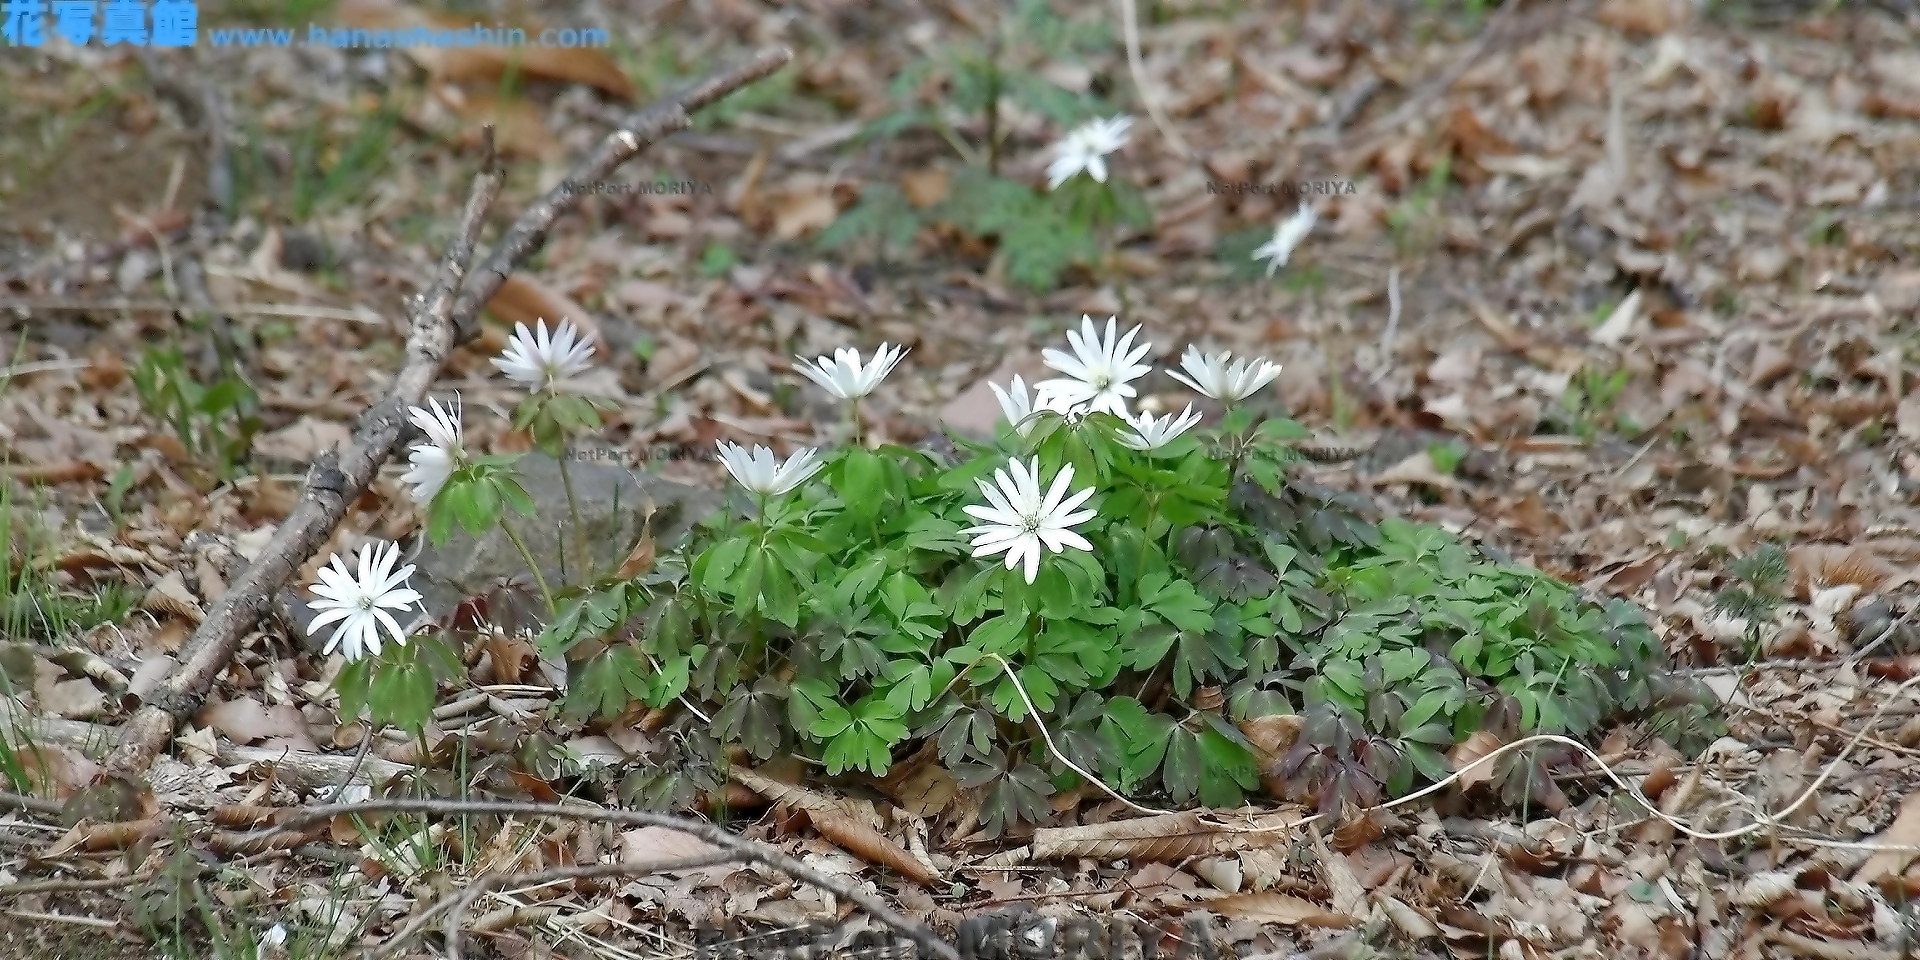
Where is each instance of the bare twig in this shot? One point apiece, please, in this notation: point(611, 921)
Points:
point(636, 133)
point(1130, 27)
point(20, 801)
point(64, 886)
point(336, 479)
point(1389, 335)
point(741, 847)
point(360, 315)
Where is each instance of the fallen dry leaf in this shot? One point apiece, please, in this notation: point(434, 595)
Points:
point(798, 212)
point(55, 770)
point(1280, 908)
point(1349, 897)
point(246, 720)
point(510, 658)
point(169, 594)
point(835, 822)
point(1478, 745)
point(1168, 838)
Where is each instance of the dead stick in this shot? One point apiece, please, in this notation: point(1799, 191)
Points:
point(745, 849)
point(636, 133)
point(335, 481)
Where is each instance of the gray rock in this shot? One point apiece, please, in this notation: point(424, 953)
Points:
point(613, 502)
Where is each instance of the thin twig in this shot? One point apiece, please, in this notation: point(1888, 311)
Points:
point(1392, 332)
point(637, 132)
point(358, 315)
point(335, 481)
point(20, 801)
point(1130, 27)
point(64, 886)
point(742, 848)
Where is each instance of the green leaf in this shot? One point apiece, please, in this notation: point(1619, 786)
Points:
point(716, 566)
point(832, 722)
point(1004, 635)
point(807, 701)
point(608, 683)
point(1181, 774)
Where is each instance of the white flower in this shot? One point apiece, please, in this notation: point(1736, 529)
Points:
point(1226, 382)
point(443, 453)
point(1019, 520)
point(1149, 433)
point(761, 473)
point(1098, 370)
point(1086, 148)
point(1286, 236)
point(360, 603)
point(538, 361)
point(845, 377)
point(1019, 408)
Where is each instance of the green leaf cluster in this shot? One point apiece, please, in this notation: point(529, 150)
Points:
point(849, 623)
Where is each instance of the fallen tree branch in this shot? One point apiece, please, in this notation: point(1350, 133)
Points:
point(741, 847)
point(335, 480)
point(636, 133)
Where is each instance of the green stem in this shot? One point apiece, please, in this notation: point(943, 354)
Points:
point(1241, 444)
point(853, 407)
point(573, 514)
point(539, 579)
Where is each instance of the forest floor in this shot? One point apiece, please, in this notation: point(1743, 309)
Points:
point(1626, 290)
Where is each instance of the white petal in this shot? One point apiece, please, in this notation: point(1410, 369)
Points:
point(1060, 539)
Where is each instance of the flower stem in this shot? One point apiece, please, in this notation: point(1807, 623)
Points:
point(539, 579)
point(573, 514)
point(853, 408)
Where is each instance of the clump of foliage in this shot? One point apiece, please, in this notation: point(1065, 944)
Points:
point(214, 422)
point(849, 621)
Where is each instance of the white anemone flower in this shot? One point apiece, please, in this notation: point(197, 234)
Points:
point(1226, 382)
point(844, 376)
point(1086, 148)
point(1019, 520)
point(539, 361)
point(1286, 236)
point(1097, 372)
point(360, 602)
point(444, 452)
point(1019, 408)
point(1150, 433)
point(761, 473)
